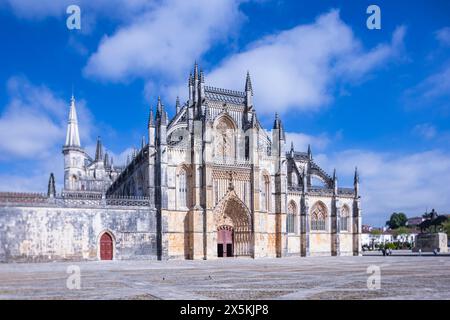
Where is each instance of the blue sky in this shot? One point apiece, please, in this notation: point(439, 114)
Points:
point(376, 99)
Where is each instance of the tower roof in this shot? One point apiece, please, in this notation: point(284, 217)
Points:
point(72, 135)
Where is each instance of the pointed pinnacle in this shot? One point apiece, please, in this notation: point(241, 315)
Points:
point(151, 118)
point(248, 83)
point(195, 71)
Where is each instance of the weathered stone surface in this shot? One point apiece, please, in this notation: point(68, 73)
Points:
point(49, 233)
point(428, 242)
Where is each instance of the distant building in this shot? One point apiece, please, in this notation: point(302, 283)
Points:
point(414, 222)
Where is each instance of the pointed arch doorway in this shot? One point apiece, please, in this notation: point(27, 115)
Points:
point(234, 227)
point(225, 241)
point(106, 247)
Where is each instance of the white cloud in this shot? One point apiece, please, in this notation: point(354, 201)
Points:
point(425, 130)
point(436, 85)
point(32, 131)
point(432, 91)
point(302, 140)
point(31, 123)
point(164, 41)
point(395, 182)
point(443, 36)
point(299, 68)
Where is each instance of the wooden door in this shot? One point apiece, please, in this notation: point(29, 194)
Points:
point(106, 247)
point(225, 242)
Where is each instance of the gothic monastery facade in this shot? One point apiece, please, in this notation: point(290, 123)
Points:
point(208, 183)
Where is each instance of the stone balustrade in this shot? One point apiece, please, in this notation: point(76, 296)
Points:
point(71, 199)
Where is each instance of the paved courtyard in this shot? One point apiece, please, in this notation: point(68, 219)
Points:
point(402, 277)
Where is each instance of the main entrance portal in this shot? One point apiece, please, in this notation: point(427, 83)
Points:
point(234, 231)
point(225, 241)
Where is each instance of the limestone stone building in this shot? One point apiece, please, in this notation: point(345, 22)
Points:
point(210, 182)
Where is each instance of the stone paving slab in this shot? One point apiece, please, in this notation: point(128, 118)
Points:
point(403, 276)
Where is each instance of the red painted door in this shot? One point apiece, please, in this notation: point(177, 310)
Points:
point(225, 242)
point(106, 247)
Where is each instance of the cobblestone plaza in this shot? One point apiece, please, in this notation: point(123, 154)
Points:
point(402, 277)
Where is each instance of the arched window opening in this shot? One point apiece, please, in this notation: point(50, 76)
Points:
point(182, 189)
point(265, 193)
point(290, 219)
point(73, 182)
point(318, 217)
point(345, 219)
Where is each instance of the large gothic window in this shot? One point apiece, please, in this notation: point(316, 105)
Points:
point(182, 189)
point(265, 192)
point(290, 219)
point(224, 139)
point(345, 219)
point(318, 217)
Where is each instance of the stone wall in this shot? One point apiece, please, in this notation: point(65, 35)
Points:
point(428, 242)
point(55, 233)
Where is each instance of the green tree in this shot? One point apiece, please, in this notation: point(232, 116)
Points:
point(376, 232)
point(397, 220)
point(401, 230)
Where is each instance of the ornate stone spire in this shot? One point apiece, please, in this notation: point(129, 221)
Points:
point(177, 105)
point(356, 177)
point(356, 183)
point(151, 121)
point(202, 77)
point(276, 123)
point(51, 191)
point(305, 180)
point(248, 83)
point(309, 152)
point(99, 150)
point(143, 142)
point(106, 160)
point(72, 136)
point(248, 92)
point(159, 107)
point(335, 183)
point(195, 71)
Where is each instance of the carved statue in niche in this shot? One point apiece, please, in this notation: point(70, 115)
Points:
point(224, 139)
